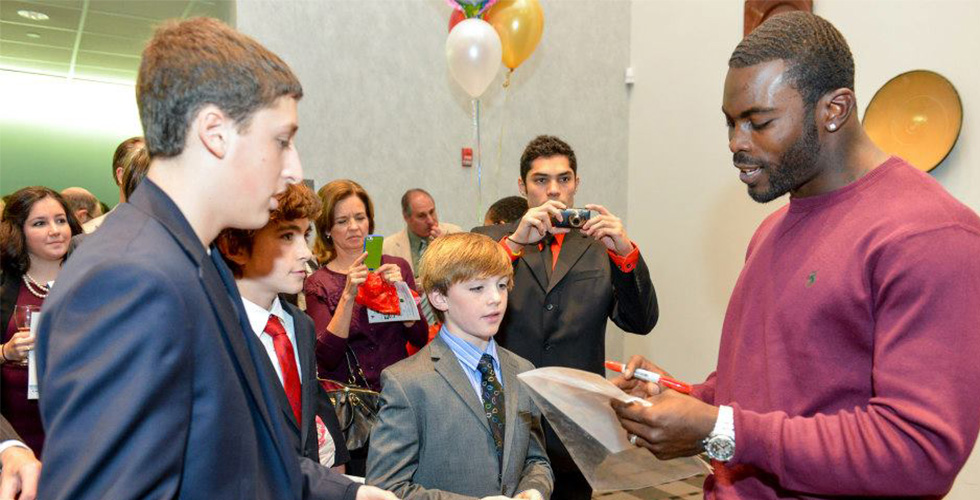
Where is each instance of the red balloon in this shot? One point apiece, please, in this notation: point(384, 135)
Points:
point(455, 18)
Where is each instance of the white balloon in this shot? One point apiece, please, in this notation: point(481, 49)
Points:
point(474, 52)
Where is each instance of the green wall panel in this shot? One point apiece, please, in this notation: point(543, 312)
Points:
point(37, 155)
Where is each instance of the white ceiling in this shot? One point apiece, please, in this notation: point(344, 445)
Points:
point(98, 40)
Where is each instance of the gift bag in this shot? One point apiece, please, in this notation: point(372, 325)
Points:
point(378, 295)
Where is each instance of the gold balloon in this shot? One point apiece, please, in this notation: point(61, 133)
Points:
point(519, 24)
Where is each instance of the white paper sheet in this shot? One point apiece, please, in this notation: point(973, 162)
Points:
point(32, 391)
point(577, 405)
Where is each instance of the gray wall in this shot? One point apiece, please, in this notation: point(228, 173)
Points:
point(381, 108)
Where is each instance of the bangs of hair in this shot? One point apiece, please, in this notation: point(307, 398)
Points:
point(459, 257)
point(330, 195)
point(297, 202)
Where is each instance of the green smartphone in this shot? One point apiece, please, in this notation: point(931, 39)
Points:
point(372, 245)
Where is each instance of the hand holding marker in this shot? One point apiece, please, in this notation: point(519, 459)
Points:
point(649, 376)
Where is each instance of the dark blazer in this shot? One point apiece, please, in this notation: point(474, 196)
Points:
point(149, 384)
point(9, 290)
point(7, 431)
point(559, 318)
point(314, 399)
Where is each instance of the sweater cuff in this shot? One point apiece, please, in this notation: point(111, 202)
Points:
point(625, 264)
point(331, 341)
point(755, 434)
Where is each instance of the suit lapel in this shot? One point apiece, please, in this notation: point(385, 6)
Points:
point(572, 248)
point(447, 365)
point(222, 293)
point(511, 400)
point(281, 399)
point(305, 338)
point(247, 350)
point(537, 262)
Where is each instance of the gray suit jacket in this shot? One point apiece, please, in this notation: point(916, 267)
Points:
point(432, 439)
point(7, 431)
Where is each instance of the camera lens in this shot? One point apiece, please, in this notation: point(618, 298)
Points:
point(575, 220)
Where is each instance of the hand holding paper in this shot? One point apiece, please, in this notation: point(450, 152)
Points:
point(577, 404)
point(671, 426)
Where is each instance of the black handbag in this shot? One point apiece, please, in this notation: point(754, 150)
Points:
point(356, 405)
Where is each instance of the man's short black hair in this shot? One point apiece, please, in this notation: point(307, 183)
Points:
point(817, 56)
point(546, 146)
point(506, 210)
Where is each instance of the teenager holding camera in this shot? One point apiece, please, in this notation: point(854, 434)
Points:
point(568, 281)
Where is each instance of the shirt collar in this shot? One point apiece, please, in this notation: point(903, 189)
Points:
point(468, 353)
point(258, 316)
point(414, 240)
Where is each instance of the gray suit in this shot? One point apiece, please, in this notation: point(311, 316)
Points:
point(558, 318)
point(7, 431)
point(432, 439)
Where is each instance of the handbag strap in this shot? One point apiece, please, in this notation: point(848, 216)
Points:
point(354, 369)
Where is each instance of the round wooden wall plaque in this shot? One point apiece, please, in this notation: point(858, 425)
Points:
point(916, 115)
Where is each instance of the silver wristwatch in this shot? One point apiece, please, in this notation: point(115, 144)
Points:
point(720, 444)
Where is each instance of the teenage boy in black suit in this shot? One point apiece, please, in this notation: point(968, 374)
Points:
point(272, 261)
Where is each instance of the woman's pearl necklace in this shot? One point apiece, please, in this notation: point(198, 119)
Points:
point(38, 290)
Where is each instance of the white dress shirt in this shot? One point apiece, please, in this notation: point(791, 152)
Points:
point(10, 443)
point(258, 317)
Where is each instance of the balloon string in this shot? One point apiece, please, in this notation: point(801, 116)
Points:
point(500, 142)
point(477, 158)
point(507, 79)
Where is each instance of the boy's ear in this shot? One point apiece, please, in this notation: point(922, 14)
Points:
point(438, 300)
point(234, 253)
point(521, 188)
point(213, 129)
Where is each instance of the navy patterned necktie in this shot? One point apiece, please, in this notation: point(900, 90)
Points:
point(493, 403)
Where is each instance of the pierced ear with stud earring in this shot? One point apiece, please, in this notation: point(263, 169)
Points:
point(831, 127)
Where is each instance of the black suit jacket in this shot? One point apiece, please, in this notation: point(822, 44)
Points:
point(150, 387)
point(315, 401)
point(558, 318)
point(9, 290)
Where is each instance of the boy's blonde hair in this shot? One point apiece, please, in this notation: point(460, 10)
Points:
point(459, 257)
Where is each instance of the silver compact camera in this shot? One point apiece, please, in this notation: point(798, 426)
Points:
point(573, 218)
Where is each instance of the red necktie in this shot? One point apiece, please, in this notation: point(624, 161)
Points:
point(556, 241)
point(287, 362)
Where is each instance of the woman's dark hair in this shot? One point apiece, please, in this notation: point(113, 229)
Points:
point(13, 244)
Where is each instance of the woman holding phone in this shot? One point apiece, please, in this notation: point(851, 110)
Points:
point(35, 232)
point(347, 218)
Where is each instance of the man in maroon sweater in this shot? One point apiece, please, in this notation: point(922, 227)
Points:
point(848, 355)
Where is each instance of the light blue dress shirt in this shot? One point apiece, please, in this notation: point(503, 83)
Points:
point(469, 356)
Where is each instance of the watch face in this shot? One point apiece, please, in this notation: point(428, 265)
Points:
point(721, 448)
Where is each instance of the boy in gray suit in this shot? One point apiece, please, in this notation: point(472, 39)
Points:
point(455, 422)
